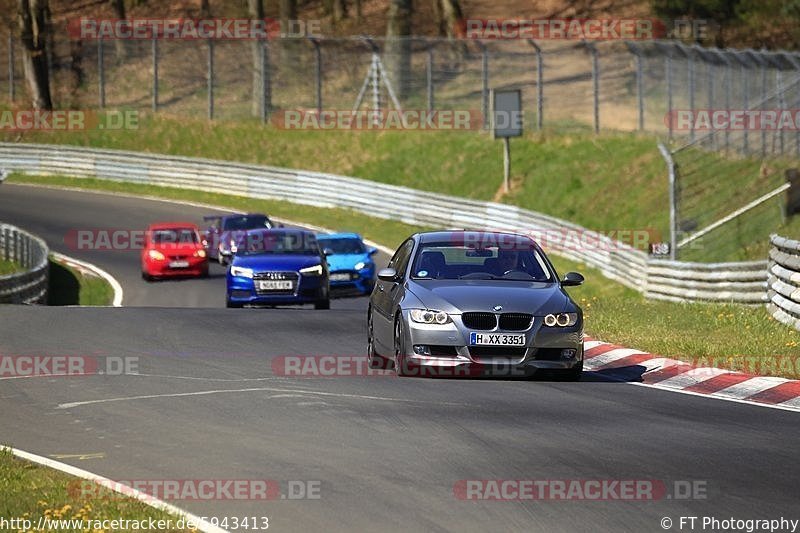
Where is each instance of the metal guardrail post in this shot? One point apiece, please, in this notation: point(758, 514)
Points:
point(154, 45)
point(101, 74)
point(11, 91)
point(210, 79)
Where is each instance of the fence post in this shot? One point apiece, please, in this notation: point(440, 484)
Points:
point(668, 68)
point(690, 62)
point(763, 95)
point(266, 93)
point(317, 73)
point(710, 70)
point(101, 74)
point(429, 75)
point(485, 84)
point(11, 91)
point(155, 72)
point(634, 49)
point(210, 79)
point(539, 85)
point(781, 103)
point(595, 84)
point(673, 198)
point(745, 104)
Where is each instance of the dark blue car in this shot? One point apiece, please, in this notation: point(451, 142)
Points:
point(350, 262)
point(278, 267)
point(224, 230)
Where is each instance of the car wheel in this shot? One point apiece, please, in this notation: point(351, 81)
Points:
point(233, 305)
point(373, 359)
point(573, 374)
point(399, 349)
point(323, 304)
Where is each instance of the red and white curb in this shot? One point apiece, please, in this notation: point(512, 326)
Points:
point(642, 368)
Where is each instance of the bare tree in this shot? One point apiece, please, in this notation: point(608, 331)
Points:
point(205, 9)
point(398, 46)
point(120, 46)
point(339, 10)
point(255, 9)
point(450, 18)
point(33, 18)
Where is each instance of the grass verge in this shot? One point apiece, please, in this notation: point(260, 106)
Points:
point(69, 286)
point(728, 336)
point(33, 492)
point(610, 181)
point(8, 267)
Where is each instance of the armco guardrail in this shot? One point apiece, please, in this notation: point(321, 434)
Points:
point(784, 280)
point(30, 285)
point(744, 283)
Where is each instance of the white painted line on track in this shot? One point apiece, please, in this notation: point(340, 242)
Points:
point(255, 389)
point(111, 280)
point(693, 377)
point(609, 357)
point(202, 525)
point(750, 387)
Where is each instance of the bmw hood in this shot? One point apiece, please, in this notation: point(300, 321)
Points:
point(479, 295)
point(346, 261)
point(276, 263)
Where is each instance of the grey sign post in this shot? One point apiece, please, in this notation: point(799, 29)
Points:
point(506, 122)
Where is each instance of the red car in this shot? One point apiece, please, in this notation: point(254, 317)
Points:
point(173, 249)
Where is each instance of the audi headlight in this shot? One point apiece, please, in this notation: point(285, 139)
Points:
point(561, 320)
point(428, 316)
point(312, 271)
point(241, 272)
point(156, 255)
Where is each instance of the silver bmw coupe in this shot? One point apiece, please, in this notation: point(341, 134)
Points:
point(468, 303)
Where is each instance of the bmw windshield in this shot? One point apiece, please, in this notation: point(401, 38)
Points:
point(448, 261)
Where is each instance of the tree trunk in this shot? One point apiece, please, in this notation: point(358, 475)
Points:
point(205, 9)
point(339, 10)
point(397, 56)
point(451, 18)
point(255, 9)
point(32, 16)
point(358, 11)
point(120, 45)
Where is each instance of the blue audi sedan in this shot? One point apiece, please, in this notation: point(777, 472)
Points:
point(278, 267)
point(350, 262)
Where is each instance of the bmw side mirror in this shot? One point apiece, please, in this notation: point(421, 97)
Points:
point(572, 279)
point(372, 251)
point(327, 252)
point(387, 274)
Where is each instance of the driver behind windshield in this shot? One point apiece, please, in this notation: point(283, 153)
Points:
point(506, 260)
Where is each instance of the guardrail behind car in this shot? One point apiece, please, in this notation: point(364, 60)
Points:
point(30, 252)
point(736, 282)
point(784, 281)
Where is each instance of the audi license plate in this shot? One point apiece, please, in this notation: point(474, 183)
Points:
point(271, 285)
point(178, 264)
point(495, 339)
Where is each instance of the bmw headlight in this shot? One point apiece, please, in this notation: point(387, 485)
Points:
point(241, 272)
point(312, 271)
point(561, 320)
point(428, 316)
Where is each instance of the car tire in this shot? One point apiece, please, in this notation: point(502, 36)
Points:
point(233, 305)
point(146, 276)
point(399, 359)
point(323, 304)
point(573, 374)
point(374, 360)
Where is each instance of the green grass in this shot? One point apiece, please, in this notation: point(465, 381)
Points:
point(728, 336)
point(605, 182)
point(8, 267)
point(69, 286)
point(31, 491)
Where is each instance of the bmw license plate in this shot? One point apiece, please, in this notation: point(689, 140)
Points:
point(340, 277)
point(495, 339)
point(271, 285)
point(178, 264)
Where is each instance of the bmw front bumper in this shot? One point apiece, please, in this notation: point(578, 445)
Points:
point(446, 349)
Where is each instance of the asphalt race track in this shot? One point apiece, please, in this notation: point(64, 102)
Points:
point(209, 403)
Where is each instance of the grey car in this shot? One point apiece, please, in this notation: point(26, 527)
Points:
point(468, 303)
